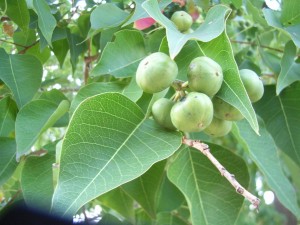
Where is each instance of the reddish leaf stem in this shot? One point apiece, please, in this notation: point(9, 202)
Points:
point(23, 51)
point(13, 43)
point(204, 148)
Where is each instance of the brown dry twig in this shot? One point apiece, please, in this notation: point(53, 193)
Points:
point(204, 148)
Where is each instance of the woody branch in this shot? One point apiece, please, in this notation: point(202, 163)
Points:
point(204, 148)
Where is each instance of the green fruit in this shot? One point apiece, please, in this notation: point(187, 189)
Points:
point(156, 72)
point(225, 111)
point(253, 84)
point(205, 75)
point(182, 20)
point(218, 127)
point(161, 110)
point(192, 113)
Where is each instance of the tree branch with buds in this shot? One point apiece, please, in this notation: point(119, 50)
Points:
point(204, 148)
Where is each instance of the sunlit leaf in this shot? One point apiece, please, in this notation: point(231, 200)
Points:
point(273, 19)
point(131, 43)
point(46, 20)
point(281, 116)
point(33, 119)
point(108, 142)
point(144, 189)
point(17, 11)
point(22, 74)
point(211, 28)
point(8, 162)
point(290, 70)
point(37, 179)
point(263, 151)
point(210, 197)
point(8, 113)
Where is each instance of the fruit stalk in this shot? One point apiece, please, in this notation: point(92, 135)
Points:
point(204, 148)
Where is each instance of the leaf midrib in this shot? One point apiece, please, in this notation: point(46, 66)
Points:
point(197, 187)
point(11, 159)
point(14, 79)
point(104, 167)
point(5, 116)
point(20, 12)
point(288, 128)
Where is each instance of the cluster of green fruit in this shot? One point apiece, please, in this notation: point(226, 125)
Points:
point(195, 107)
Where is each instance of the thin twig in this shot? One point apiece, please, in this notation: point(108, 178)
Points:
point(255, 44)
point(204, 148)
point(13, 43)
point(25, 48)
point(14, 197)
point(23, 51)
point(88, 64)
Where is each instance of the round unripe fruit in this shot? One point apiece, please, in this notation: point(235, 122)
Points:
point(218, 127)
point(161, 110)
point(182, 20)
point(205, 75)
point(225, 111)
point(253, 84)
point(192, 113)
point(156, 72)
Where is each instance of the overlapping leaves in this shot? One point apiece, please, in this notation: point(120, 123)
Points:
point(109, 142)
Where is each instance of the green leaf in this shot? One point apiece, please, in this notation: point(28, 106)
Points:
point(8, 162)
point(118, 200)
point(140, 13)
point(169, 197)
point(107, 36)
point(211, 198)
point(95, 89)
point(281, 116)
point(37, 179)
point(271, 60)
point(77, 47)
point(8, 113)
point(232, 89)
point(290, 12)
point(43, 55)
point(131, 44)
point(112, 219)
point(22, 74)
point(56, 97)
point(18, 12)
point(142, 218)
point(106, 16)
point(155, 39)
point(273, 19)
point(12, 186)
point(290, 70)
point(211, 28)
point(46, 20)
point(60, 50)
point(109, 142)
point(33, 119)
point(24, 38)
point(132, 90)
point(166, 218)
point(144, 189)
point(293, 171)
point(256, 14)
point(263, 151)
point(236, 3)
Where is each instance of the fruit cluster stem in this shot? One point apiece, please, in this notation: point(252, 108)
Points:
point(204, 148)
